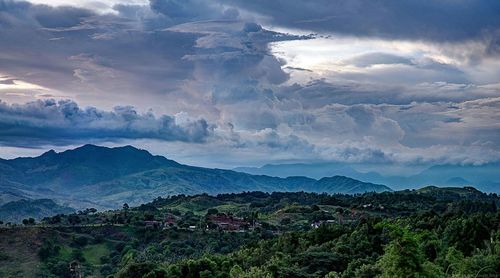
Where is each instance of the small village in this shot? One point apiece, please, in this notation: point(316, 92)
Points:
point(219, 222)
point(226, 222)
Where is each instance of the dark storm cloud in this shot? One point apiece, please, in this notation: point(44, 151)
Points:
point(180, 11)
point(216, 61)
point(156, 47)
point(318, 93)
point(412, 19)
point(50, 122)
point(45, 16)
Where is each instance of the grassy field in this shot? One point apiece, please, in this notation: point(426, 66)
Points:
point(65, 252)
point(93, 253)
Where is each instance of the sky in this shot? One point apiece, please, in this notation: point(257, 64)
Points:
point(244, 83)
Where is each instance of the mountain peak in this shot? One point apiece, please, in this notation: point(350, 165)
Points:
point(90, 146)
point(344, 184)
point(87, 164)
point(49, 153)
point(338, 178)
point(118, 156)
point(123, 150)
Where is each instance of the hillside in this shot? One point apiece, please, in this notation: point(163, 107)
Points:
point(452, 193)
point(17, 210)
point(281, 234)
point(108, 177)
point(88, 164)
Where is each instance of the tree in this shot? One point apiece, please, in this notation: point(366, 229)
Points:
point(236, 272)
point(137, 270)
point(404, 257)
point(367, 271)
point(286, 221)
point(212, 211)
point(29, 221)
point(77, 254)
point(74, 219)
point(48, 249)
point(55, 219)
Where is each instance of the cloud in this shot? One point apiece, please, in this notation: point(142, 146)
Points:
point(181, 11)
point(161, 50)
point(362, 89)
point(64, 122)
point(386, 93)
point(414, 19)
point(44, 16)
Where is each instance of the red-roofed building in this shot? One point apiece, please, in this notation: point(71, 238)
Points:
point(225, 222)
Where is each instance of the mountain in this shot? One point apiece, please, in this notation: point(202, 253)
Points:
point(485, 177)
point(104, 178)
point(312, 170)
point(85, 165)
point(15, 211)
point(346, 185)
point(458, 181)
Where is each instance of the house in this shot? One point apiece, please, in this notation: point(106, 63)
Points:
point(225, 222)
point(152, 224)
point(316, 224)
point(75, 270)
point(169, 219)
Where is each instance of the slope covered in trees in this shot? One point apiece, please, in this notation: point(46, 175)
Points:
point(427, 233)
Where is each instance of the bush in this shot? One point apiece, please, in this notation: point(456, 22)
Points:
point(79, 241)
point(106, 269)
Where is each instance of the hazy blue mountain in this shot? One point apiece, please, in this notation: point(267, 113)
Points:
point(93, 176)
point(458, 181)
point(485, 177)
point(6, 197)
point(346, 185)
point(312, 170)
point(17, 210)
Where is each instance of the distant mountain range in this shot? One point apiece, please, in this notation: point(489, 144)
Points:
point(485, 177)
point(105, 178)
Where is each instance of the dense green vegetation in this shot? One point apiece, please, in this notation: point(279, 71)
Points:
point(431, 232)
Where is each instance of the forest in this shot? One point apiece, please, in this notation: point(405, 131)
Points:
point(430, 232)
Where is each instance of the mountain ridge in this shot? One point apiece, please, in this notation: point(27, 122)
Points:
point(109, 177)
point(485, 177)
